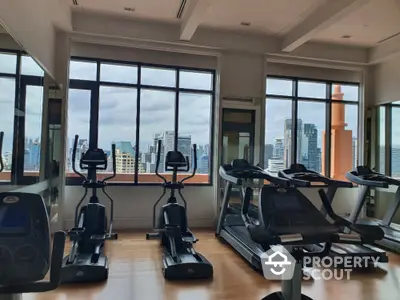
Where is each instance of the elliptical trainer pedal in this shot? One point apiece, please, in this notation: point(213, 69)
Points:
point(179, 260)
point(86, 261)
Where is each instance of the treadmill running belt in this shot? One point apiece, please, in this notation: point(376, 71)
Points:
point(241, 233)
point(391, 234)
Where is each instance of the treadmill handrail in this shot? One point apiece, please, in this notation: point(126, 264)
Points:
point(257, 173)
point(305, 177)
point(372, 183)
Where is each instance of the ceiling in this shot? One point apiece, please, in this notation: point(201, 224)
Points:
point(367, 25)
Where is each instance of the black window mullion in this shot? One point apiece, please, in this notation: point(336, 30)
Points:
point(15, 152)
point(176, 111)
point(94, 117)
point(138, 91)
point(388, 140)
point(294, 124)
point(19, 143)
point(328, 132)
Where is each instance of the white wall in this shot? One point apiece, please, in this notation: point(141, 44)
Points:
point(32, 24)
point(386, 78)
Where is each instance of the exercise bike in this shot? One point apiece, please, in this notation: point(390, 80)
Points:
point(179, 260)
point(86, 261)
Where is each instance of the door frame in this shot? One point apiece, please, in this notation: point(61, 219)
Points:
point(238, 127)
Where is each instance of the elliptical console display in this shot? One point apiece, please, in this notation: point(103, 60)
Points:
point(25, 246)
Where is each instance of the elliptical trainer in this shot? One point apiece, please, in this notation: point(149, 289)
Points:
point(179, 259)
point(1, 151)
point(86, 261)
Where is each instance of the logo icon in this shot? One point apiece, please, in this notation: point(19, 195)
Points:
point(278, 264)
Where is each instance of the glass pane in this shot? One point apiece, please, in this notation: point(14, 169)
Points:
point(311, 89)
point(30, 67)
point(381, 139)
point(158, 77)
point(195, 128)
point(117, 124)
point(345, 92)
point(78, 123)
point(236, 145)
point(311, 134)
point(118, 73)
point(8, 63)
point(33, 129)
point(157, 121)
point(344, 142)
point(280, 87)
point(278, 135)
point(395, 151)
point(196, 80)
point(7, 103)
point(82, 70)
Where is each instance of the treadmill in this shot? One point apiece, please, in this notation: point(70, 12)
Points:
point(300, 176)
point(231, 227)
point(367, 179)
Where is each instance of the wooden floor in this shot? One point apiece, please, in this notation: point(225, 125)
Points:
point(135, 274)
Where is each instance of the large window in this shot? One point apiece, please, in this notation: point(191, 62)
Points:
point(21, 101)
point(134, 106)
point(299, 114)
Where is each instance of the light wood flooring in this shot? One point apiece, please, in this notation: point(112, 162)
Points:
point(135, 274)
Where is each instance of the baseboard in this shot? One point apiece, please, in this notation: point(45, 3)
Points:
point(145, 223)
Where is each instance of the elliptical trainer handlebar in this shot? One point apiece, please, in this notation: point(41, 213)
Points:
point(194, 164)
point(158, 161)
point(1, 151)
point(114, 164)
point(74, 157)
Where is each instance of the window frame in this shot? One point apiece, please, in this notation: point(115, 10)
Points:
point(17, 158)
point(94, 110)
point(295, 99)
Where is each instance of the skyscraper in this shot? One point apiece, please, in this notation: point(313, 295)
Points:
point(279, 148)
point(309, 148)
point(268, 153)
point(354, 152)
point(287, 157)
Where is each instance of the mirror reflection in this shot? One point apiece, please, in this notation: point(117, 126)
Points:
point(30, 121)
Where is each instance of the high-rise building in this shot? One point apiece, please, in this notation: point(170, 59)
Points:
point(354, 152)
point(279, 148)
point(287, 157)
point(275, 165)
point(124, 157)
point(309, 148)
point(268, 153)
point(203, 164)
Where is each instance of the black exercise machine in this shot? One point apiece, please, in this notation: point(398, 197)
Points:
point(86, 261)
point(367, 179)
point(300, 176)
point(288, 218)
point(25, 246)
point(179, 260)
point(1, 151)
point(230, 227)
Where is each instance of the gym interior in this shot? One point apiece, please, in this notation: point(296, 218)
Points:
point(232, 104)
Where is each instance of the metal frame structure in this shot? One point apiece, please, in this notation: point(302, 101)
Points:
point(94, 87)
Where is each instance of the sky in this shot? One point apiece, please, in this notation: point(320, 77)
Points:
point(117, 112)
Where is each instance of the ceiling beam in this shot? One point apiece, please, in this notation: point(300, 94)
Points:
point(192, 17)
point(324, 16)
point(385, 50)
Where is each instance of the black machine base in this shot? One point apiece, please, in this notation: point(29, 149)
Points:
point(82, 270)
point(280, 296)
point(190, 267)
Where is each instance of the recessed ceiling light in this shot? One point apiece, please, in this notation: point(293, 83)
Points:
point(129, 9)
point(245, 23)
point(346, 36)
